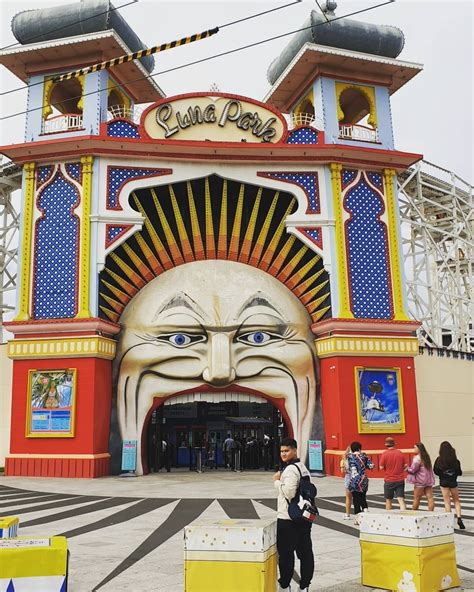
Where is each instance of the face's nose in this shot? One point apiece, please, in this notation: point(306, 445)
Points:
point(219, 371)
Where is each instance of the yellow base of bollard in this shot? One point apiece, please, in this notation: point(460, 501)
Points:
point(34, 564)
point(410, 569)
point(231, 576)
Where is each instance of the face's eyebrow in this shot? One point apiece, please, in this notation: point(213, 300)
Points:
point(180, 300)
point(258, 300)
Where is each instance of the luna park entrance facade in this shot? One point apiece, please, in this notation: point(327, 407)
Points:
point(192, 435)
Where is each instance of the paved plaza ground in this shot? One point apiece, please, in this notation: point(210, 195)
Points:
point(125, 534)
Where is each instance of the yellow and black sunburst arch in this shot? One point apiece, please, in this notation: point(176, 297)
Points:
point(213, 218)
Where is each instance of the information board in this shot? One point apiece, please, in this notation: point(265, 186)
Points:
point(129, 455)
point(315, 455)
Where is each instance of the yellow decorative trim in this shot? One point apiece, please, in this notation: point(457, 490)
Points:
point(367, 91)
point(344, 302)
point(85, 246)
point(361, 345)
point(369, 452)
point(47, 89)
point(25, 284)
point(66, 347)
point(111, 85)
point(395, 264)
point(309, 97)
point(80, 102)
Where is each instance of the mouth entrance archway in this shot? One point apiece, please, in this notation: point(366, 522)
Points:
point(187, 426)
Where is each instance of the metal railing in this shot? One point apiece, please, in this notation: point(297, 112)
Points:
point(121, 112)
point(304, 120)
point(63, 123)
point(358, 132)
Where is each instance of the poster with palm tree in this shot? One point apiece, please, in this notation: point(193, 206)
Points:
point(51, 402)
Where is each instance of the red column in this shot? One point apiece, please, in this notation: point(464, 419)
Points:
point(86, 452)
point(342, 348)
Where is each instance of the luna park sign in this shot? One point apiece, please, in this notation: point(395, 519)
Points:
point(215, 118)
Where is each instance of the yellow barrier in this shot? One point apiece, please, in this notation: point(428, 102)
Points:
point(9, 527)
point(230, 556)
point(34, 564)
point(408, 551)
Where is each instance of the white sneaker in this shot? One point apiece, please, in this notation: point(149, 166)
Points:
point(280, 589)
point(346, 517)
point(304, 589)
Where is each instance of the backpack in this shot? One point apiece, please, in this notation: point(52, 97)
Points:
point(302, 508)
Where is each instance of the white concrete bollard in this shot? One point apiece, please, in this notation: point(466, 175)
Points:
point(230, 556)
point(408, 551)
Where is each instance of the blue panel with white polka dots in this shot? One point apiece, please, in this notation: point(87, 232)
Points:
point(314, 234)
point(348, 176)
point(122, 129)
point(73, 169)
point(114, 231)
point(119, 175)
point(56, 252)
point(375, 179)
point(307, 181)
point(43, 173)
point(303, 135)
point(367, 253)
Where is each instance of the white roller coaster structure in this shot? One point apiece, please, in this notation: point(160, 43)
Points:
point(436, 209)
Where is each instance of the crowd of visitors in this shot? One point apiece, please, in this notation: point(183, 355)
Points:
point(421, 474)
point(249, 453)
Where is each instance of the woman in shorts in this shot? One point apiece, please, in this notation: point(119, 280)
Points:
point(448, 469)
point(420, 474)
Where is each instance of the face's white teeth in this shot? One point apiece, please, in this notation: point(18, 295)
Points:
point(221, 397)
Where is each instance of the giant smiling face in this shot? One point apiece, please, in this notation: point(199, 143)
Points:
point(212, 325)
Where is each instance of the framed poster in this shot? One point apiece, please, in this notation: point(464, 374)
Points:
point(379, 400)
point(51, 403)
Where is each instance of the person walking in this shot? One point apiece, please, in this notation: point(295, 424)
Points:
point(420, 474)
point(228, 447)
point(344, 467)
point(392, 462)
point(358, 483)
point(448, 469)
point(292, 536)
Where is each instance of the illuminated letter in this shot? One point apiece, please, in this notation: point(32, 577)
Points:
point(210, 114)
point(163, 113)
point(226, 115)
point(183, 122)
point(195, 115)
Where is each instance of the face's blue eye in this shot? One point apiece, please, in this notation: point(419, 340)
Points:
point(180, 339)
point(257, 338)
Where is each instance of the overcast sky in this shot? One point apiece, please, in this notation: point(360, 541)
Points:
point(432, 114)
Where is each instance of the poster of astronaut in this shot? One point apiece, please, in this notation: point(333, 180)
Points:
point(379, 400)
point(51, 395)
